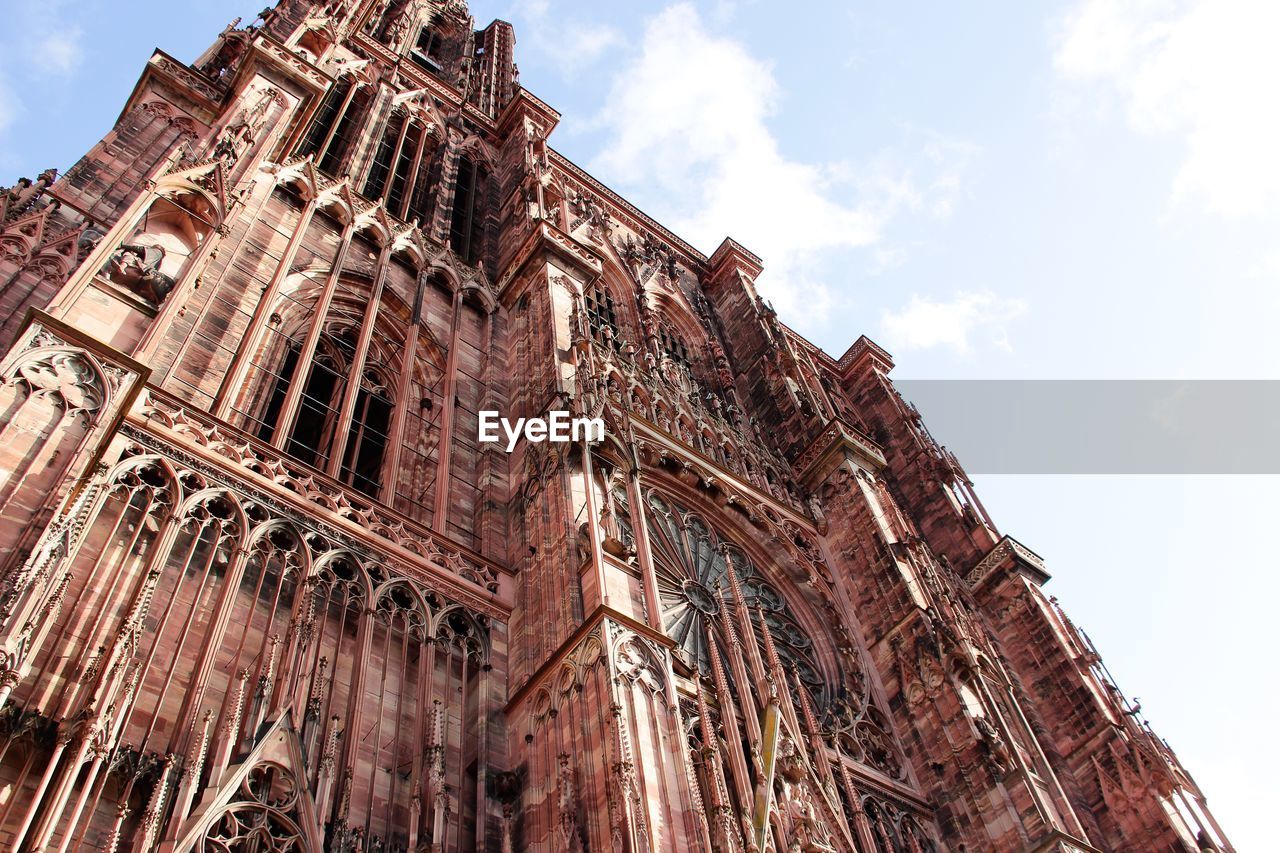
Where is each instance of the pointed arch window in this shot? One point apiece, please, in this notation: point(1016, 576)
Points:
point(367, 436)
point(601, 312)
point(693, 571)
point(305, 439)
point(335, 126)
point(674, 347)
point(400, 172)
point(405, 165)
point(384, 157)
point(317, 418)
point(428, 51)
point(466, 228)
point(310, 438)
point(283, 378)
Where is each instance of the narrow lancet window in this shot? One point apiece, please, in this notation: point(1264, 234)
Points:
point(335, 127)
point(384, 157)
point(367, 438)
point(317, 416)
point(674, 348)
point(466, 230)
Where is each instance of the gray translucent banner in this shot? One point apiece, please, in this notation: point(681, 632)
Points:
point(1103, 427)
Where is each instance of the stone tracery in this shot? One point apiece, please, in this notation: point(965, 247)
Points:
point(212, 636)
point(282, 641)
point(694, 585)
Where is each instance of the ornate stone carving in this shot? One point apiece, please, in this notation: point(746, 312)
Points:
point(184, 75)
point(67, 374)
point(136, 267)
point(436, 558)
point(802, 819)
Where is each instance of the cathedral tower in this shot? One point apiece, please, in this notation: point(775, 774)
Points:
point(263, 588)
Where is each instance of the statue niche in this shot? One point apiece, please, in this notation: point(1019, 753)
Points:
point(137, 267)
point(609, 492)
point(153, 260)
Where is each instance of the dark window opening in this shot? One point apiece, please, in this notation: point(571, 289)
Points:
point(401, 170)
point(325, 118)
point(427, 53)
point(404, 167)
point(313, 434)
point(381, 168)
point(318, 412)
point(349, 126)
point(466, 229)
point(367, 441)
point(674, 347)
point(420, 204)
point(334, 129)
point(314, 414)
point(601, 313)
point(280, 390)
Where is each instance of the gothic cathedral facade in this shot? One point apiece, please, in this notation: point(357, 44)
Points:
point(262, 588)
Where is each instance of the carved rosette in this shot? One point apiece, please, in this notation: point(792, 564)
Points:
point(693, 568)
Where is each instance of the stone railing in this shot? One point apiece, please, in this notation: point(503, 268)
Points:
point(159, 412)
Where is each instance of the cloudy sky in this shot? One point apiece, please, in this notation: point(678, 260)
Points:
point(1072, 189)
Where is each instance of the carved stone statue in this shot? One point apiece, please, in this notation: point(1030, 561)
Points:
point(993, 745)
point(241, 134)
point(137, 267)
point(615, 538)
point(90, 237)
point(801, 819)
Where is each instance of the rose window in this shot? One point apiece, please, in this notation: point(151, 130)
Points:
point(692, 566)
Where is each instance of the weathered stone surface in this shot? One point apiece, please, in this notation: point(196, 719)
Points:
point(261, 587)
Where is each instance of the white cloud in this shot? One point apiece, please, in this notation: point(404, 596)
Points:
point(60, 53)
point(925, 323)
point(688, 125)
point(1267, 267)
point(885, 258)
point(533, 8)
point(1201, 70)
point(569, 45)
point(582, 44)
